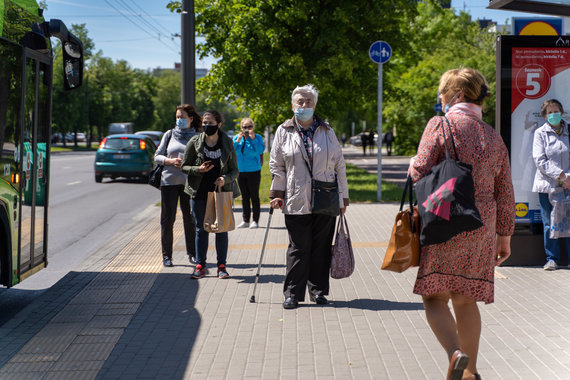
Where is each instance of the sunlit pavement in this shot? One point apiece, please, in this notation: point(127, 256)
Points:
point(121, 314)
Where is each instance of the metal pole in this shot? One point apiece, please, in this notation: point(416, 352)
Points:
point(379, 179)
point(188, 64)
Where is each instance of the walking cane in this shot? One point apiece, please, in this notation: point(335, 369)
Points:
point(252, 299)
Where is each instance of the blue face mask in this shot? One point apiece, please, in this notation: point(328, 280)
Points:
point(554, 118)
point(304, 114)
point(182, 123)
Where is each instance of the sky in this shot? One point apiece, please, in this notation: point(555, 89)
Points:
point(138, 31)
point(142, 31)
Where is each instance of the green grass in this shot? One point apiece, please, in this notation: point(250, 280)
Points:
point(81, 147)
point(361, 185)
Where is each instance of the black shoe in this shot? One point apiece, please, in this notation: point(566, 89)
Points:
point(319, 300)
point(167, 262)
point(192, 259)
point(290, 303)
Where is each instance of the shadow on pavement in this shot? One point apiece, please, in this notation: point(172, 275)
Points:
point(159, 339)
point(377, 305)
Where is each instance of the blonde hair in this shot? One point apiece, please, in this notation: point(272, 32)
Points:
point(244, 120)
point(470, 81)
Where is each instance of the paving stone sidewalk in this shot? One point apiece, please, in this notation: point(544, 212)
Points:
point(123, 316)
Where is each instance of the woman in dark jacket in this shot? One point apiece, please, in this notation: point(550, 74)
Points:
point(210, 161)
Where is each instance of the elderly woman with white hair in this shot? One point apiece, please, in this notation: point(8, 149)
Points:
point(305, 148)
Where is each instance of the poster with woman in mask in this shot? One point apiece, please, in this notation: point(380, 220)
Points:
point(538, 73)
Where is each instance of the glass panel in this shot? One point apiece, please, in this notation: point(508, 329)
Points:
point(122, 143)
point(41, 167)
point(28, 173)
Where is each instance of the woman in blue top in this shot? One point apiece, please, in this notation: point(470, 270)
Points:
point(249, 148)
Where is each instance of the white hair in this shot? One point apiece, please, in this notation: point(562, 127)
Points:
point(306, 89)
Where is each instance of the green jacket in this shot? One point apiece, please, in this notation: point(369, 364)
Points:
point(194, 157)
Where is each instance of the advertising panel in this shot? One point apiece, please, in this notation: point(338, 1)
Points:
point(531, 69)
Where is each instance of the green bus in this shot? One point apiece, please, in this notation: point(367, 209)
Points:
point(26, 72)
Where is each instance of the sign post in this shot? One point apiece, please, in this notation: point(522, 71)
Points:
point(380, 53)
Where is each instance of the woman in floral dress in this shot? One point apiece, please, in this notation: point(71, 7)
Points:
point(462, 269)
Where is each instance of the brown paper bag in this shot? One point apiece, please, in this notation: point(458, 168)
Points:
point(219, 216)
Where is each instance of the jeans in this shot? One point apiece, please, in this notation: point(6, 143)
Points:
point(249, 186)
point(169, 196)
point(551, 246)
point(202, 236)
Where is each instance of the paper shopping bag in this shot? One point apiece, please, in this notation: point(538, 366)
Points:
point(219, 216)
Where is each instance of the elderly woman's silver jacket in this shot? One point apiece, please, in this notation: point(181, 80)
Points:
point(289, 160)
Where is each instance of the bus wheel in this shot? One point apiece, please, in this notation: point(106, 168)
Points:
point(98, 178)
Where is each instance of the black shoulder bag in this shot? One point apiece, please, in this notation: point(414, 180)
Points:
point(446, 199)
point(156, 173)
point(324, 195)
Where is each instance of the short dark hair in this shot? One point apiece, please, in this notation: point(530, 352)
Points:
point(550, 102)
point(215, 114)
point(191, 111)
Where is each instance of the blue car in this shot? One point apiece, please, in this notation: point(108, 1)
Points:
point(124, 155)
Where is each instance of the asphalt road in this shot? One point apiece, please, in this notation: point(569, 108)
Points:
point(83, 216)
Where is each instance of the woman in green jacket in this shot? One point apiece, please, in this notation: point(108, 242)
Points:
point(210, 161)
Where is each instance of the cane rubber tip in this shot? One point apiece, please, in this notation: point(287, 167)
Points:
point(252, 299)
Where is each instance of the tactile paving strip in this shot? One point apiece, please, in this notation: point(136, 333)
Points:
point(78, 340)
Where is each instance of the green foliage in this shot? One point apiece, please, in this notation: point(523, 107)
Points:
point(268, 47)
point(439, 41)
point(166, 99)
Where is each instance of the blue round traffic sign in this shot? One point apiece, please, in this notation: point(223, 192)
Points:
point(380, 52)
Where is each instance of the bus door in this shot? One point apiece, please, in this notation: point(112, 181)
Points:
point(34, 184)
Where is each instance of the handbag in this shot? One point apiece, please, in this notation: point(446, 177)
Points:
point(324, 198)
point(156, 173)
point(219, 215)
point(446, 199)
point(560, 214)
point(342, 259)
point(324, 195)
point(404, 246)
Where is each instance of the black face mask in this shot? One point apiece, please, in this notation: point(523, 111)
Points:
point(210, 129)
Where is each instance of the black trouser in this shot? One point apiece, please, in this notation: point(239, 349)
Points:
point(169, 196)
point(249, 186)
point(308, 255)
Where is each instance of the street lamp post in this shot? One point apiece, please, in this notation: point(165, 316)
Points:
point(188, 64)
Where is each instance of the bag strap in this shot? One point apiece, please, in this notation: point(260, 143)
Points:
point(407, 189)
point(343, 219)
point(452, 140)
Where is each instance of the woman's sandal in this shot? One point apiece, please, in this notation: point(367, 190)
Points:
point(457, 365)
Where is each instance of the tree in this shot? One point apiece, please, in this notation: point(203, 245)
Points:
point(439, 41)
point(268, 47)
point(166, 98)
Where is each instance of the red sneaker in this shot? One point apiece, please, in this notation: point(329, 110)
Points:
point(199, 272)
point(222, 272)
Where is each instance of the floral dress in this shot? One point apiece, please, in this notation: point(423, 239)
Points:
point(466, 263)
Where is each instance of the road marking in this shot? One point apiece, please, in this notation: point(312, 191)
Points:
point(73, 183)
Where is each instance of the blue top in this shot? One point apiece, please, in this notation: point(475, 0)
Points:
point(248, 151)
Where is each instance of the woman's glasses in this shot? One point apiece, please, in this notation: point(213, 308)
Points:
point(247, 127)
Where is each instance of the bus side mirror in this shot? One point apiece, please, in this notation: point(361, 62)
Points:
point(72, 49)
point(72, 63)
